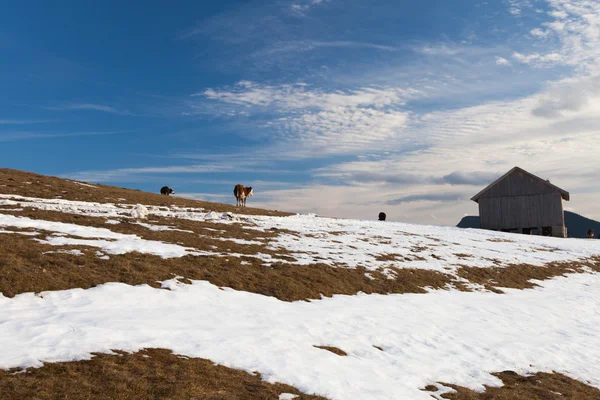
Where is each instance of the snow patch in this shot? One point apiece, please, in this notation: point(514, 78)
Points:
point(20, 233)
point(110, 242)
point(446, 336)
point(139, 212)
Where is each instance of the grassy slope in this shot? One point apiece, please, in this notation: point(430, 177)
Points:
point(156, 373)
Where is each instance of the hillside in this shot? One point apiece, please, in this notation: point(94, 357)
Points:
point(116, 293)
point(577, 225)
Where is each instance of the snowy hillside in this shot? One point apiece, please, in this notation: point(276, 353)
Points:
point(478, 302)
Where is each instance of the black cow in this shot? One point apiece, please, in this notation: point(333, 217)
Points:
point(165, 190)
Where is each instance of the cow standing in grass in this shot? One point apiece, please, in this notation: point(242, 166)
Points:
point(241, 193)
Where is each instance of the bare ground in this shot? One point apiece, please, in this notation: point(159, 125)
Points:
point(149, 374)
point(541, 386)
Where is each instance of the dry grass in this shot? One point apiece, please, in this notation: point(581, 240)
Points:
point(541, 386)
point(520, 276)
point(149, 374)
point(334, 350)
point(25, 268)
point(48, 187)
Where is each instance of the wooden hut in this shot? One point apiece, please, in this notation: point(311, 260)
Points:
point(523, 203)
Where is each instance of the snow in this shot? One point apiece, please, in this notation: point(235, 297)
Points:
point(139, 211)
point(19, 233)
point(446, 336)
point(358, 243)
point(287, 396)
point(443, 335)
point(110, 242)
point(350, 243)
point(161, 227)
point(85, 184)
point(74, 252)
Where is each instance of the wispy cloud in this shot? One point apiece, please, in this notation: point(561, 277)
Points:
point(16, 136)
point(302, 7)
point(502, 61)
point(319, 121)
point(310, 45)
point(24, 121)
point(576, 31)
point(434, 197)
point(89, 107)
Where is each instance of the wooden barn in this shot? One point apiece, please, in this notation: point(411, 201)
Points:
point(521, 202)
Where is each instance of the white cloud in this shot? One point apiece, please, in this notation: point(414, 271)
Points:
point(516, 6)
point(576, 26)
point(314, 121)
point(540, 60)
point(299, 96)
point(570, 96)
point(502, 61)
point(539, 33)
point(301, 8)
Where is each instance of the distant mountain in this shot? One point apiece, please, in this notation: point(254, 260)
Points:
point(577, 225)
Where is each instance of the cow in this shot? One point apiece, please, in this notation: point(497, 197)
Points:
point(590, 233)
point(241, 193)
point(165, 190)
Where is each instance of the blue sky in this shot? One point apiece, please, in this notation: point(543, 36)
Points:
point(343, 108)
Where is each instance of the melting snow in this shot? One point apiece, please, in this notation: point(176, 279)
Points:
point(161, 227)
point(110, 242)
point(84, 184)
point(20, 233)
point(139, 211)
point(446, 336)
point(370, 244)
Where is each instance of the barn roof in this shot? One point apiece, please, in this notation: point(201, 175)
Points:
point(564, 194)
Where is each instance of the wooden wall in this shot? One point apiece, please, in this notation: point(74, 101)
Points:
point(521, 211)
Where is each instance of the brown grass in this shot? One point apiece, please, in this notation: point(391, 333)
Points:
point(149, 374)
point(520, 276)
point(49, 187)
point(334, 350)
point(541, 386)
point(25, 268)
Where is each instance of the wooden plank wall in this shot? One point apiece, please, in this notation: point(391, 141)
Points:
point(515, 212)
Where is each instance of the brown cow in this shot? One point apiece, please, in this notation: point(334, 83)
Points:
point(241, 193)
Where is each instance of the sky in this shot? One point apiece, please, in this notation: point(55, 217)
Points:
point(339, 108)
